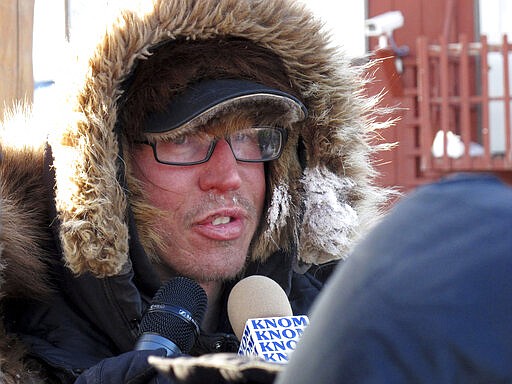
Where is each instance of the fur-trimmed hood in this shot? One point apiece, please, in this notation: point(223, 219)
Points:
point(321, 196)
point(318, 206)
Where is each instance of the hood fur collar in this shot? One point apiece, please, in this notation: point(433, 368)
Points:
point(321, 192)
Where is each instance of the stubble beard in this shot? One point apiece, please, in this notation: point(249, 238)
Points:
point(201, 273)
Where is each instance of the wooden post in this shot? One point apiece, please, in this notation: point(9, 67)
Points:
point(505, 49)
point(16, 76)
point(445, 102)
point(465, 103)
point(485, 101)
point(425, 118)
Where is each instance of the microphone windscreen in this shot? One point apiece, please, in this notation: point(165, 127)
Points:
point(170, 311)
point(256, 297)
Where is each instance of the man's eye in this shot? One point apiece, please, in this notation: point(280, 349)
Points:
point(241, 137)
point(180, 140)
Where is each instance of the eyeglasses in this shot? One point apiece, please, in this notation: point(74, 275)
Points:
point(251, 145)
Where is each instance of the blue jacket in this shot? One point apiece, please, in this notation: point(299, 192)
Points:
point(425, 298)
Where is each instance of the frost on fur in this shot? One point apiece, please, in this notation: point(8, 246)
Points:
point(329, 222)
point(279, 209)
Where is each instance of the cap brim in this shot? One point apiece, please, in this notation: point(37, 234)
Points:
point(209, 97)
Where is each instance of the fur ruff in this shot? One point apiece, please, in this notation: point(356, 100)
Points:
point(91, 203)
point(24, 233)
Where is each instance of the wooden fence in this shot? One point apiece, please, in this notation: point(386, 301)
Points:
point(464, 114)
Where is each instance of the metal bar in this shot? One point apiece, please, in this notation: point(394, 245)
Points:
point(456, 99)
point(465, 118)
point(485, 101)
point(449, 10)
point(445, 106)
point(506, 99)
point(426, 134)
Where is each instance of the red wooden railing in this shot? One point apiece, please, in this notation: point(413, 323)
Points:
point(454, 106)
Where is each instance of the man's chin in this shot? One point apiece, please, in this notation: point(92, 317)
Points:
point(216, 276)
point(210, 266)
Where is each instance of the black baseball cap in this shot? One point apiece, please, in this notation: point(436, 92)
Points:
point(208, 97)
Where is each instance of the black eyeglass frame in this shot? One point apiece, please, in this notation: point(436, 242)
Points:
point(282, 131)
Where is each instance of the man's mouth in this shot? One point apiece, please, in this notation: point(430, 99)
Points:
point(224, 223)
point(221, 220)
point(222, 226)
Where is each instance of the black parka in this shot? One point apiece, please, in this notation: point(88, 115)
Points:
point(75, 275)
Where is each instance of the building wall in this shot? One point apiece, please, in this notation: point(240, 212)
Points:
point(433, 19)
point(494, 20)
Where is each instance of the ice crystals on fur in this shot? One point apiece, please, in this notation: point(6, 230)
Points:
point(329, 222)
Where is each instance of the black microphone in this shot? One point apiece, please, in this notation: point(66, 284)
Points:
point(172, 320)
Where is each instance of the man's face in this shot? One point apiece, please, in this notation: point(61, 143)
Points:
point(213, 210)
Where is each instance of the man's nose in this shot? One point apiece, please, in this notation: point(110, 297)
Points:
point(221, 170)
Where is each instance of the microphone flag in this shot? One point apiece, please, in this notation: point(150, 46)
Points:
point(272, 338)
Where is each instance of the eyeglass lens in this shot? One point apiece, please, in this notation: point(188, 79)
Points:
point(253, 144)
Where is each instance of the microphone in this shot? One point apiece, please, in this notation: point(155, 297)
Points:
point(262, 319)
point(173, 317)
